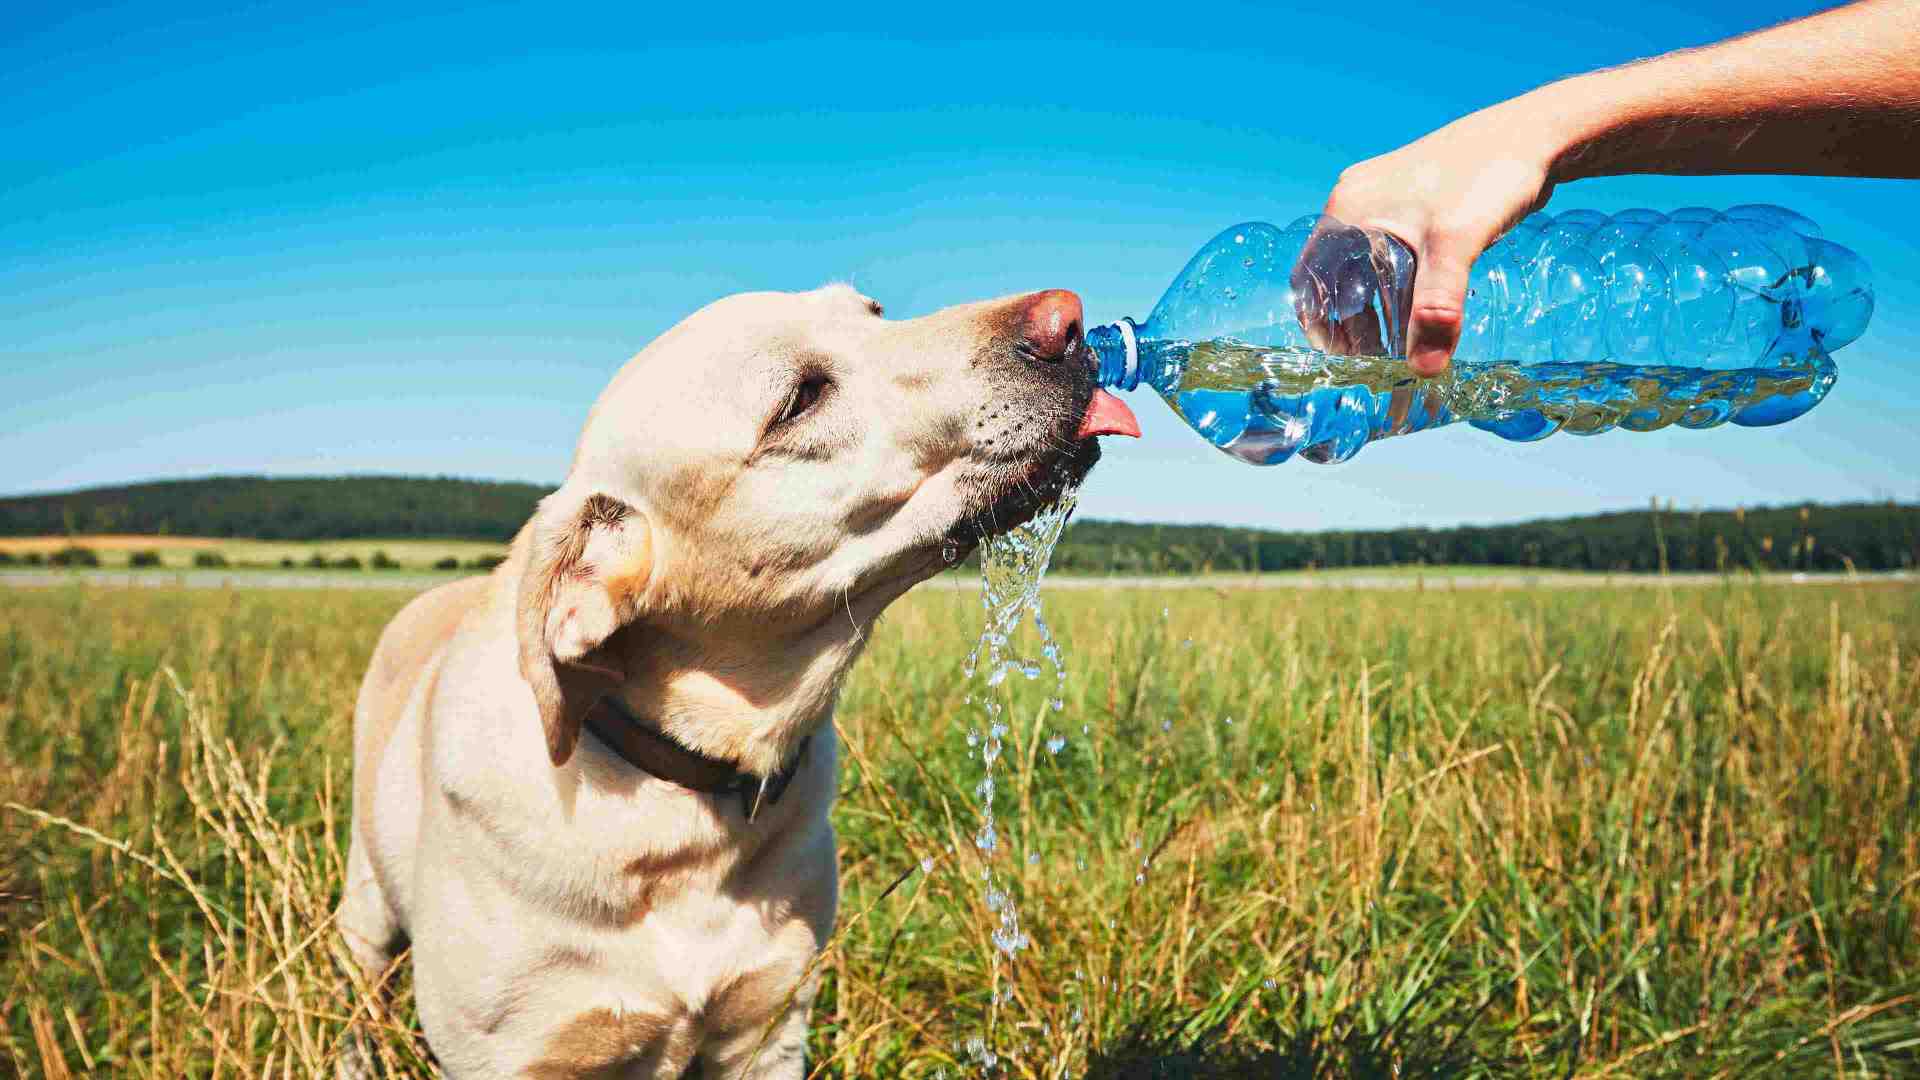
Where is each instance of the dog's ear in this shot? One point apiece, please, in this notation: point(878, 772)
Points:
point(588, 560)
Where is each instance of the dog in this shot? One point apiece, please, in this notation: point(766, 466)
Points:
point(591, 789)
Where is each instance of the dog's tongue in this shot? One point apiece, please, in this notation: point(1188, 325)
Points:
point(1107, 415)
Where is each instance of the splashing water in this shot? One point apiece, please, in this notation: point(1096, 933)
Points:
point(1011, 568)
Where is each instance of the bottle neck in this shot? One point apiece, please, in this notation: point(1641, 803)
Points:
point(1116, 349)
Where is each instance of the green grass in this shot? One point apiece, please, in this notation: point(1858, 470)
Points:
point(1544, 833)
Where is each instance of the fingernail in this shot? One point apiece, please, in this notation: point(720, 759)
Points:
point(1430, 347)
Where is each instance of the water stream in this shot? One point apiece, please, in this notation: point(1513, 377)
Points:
point(1011, 568)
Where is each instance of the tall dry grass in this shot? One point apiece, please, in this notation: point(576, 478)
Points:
point(1533, 834)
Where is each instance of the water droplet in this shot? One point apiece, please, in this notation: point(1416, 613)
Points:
point(1239, 238)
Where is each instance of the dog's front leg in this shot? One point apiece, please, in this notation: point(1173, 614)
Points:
point(372, 936)
point(772, 1049)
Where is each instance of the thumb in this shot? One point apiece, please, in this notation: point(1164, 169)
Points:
point(1439, 300)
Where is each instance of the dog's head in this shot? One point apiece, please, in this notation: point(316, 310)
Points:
point(756, 485)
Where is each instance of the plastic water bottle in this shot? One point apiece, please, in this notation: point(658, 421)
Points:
point(1280, 342)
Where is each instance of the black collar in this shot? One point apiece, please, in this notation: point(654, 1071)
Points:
point(656, 753)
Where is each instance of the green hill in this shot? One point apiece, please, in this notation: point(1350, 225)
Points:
point(1864, 536)
point(1860, 536)
point(283, 508)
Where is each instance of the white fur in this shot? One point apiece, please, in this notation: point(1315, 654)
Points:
point(725, 596)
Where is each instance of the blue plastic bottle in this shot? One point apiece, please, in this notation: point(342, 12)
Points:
point(1281, 342)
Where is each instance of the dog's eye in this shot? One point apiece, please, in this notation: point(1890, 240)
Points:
point(805, 394)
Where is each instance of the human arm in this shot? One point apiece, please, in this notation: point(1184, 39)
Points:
point(1836, 93)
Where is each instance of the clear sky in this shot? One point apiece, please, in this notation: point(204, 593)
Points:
point(275, 240)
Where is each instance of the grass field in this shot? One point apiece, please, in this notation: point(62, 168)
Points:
point(1353, 834)
point(177, 552)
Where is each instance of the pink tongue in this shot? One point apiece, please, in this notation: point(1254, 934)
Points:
point(1107, 415)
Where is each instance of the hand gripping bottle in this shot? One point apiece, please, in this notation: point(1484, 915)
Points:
point(1280, 342)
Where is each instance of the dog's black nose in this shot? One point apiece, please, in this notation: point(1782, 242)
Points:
point(1053, 325)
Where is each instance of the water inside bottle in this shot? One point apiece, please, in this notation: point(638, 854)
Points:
point(1265, 404)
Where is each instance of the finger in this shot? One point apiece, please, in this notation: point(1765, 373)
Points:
point(1439, 302)
point(1359, 334)
point(1334, 290)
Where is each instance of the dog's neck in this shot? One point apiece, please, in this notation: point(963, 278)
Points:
point(718, 701)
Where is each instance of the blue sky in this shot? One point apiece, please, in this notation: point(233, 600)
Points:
point(266, 239)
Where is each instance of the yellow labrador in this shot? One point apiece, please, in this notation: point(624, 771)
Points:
point(591, 789)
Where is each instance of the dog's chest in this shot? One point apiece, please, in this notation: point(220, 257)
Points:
point(702, 957)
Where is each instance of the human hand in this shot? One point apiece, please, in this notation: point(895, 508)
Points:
point(1446, 196)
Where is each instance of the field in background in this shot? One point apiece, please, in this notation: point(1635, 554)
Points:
point(1529, 833)
point(115, 552)
point(177, 552)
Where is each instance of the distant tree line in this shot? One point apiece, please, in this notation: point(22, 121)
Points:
point(1864, 536)
point(283, 508)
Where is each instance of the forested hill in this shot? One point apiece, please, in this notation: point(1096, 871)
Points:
point(1861, 536)
point(283, 508)
point(1865, 536)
